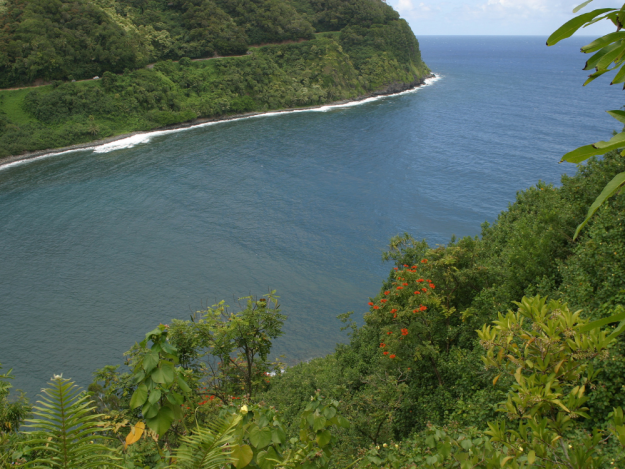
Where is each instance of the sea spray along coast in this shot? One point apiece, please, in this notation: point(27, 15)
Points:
point(128, 141)
point(486, 345)
point(332, 53)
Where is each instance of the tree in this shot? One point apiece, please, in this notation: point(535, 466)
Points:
point(236, 345)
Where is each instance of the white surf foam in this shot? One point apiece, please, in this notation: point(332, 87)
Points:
point(143, 138)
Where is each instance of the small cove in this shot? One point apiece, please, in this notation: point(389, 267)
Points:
point(98, 248)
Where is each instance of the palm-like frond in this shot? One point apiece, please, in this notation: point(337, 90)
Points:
point(66, 429)
point(206, 448)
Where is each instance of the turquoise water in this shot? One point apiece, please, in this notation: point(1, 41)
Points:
point(96, 248)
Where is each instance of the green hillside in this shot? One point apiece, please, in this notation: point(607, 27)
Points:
point(152, 57)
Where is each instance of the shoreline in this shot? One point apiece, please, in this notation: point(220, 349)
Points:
point(389, 90)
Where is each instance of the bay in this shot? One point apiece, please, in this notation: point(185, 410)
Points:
point(96, 248)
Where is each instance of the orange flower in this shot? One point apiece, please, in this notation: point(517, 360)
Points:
point(422, 308)
point(370, 303)
point(432, 286)
point(424, 261)
point(395, 268)
point(420, 280)
point(424, 289)
point(404, 331)
point(392, 355)
point(395, 316)
point(405, 284)
point(383, 300)
point(387, 292)
point(417, 293)
point(382, 345)
point(389, 332)
point(428, 281)
point(385, 353)
point(376, 307)
point(414, 266)
point(405, 265)
point(400, 288)
point(393, 310)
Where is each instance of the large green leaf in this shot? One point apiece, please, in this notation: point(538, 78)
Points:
point(278, 436)
point(183, 384)
point(149, 410)
point(603, 41)
point(155, 395)
point(618, 331)
point(243, 455)
point(164, 374)
point(602, 322)
point(614, 185)
point(618, 115)
point(319, 423)
point(268, 459)
point(569, 28)
point(323, 438)
point(580, 154)
point(260, 437)
point(150, 361)
point(618, 139)
point(611, 56)
point(579, 7)
point(139, 396)
point(596, 58)
point(594, 76)
point(162, 421)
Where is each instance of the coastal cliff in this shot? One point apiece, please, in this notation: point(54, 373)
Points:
point(363, 49)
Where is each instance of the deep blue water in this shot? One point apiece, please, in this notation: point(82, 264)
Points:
point(98, 248)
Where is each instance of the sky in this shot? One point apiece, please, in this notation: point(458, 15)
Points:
point(495, 17)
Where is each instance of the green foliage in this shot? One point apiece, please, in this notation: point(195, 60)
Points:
point(159, 382)
point(367, 57)
point(609, 55)
point(262, 442)
point(236, 345)
point(204, 449)
point(66, 432)
point(12, 415)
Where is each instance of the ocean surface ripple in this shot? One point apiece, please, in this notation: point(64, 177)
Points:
point(100, 245)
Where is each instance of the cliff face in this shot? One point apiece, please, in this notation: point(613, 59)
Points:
point(365, 49)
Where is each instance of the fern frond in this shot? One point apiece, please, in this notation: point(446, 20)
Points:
point(206, 448)
point(66, 430)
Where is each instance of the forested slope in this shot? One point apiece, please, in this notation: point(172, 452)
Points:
point(322, 52)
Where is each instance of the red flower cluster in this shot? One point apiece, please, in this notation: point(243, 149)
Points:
point(385, 353)
point(393, 310)
point(376, 307)
point(387, 292)
point(424, 261)
point(370, 303)
point(392, 355)
point(420, 280)
point(382, 345)
point(404, 331)
point(422, 308)
point(432, 286)
point(383, 300)
point(389, 332)
point(417, 292)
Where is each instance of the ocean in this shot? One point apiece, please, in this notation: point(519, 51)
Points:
point(99, 246)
